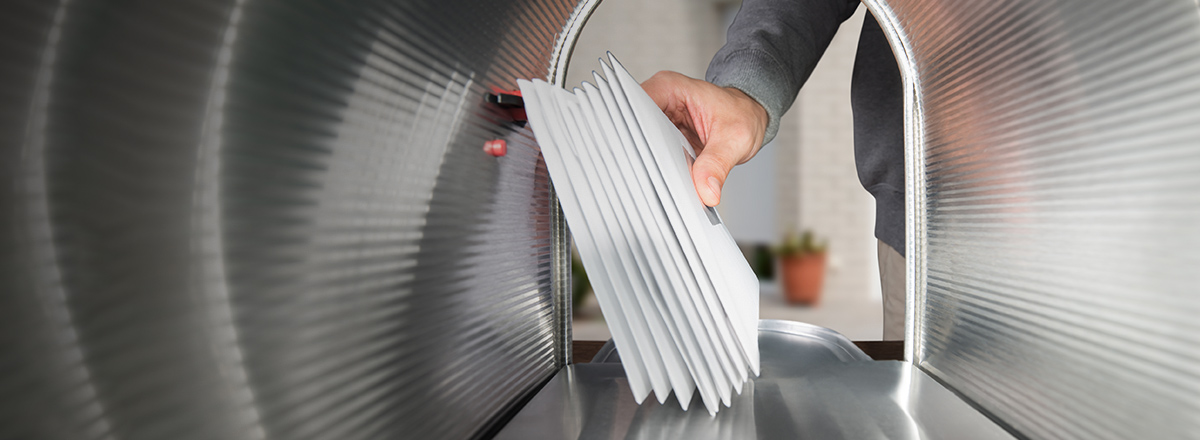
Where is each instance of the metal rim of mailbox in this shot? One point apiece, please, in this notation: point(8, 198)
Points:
point(914, 168)
point(560, 234)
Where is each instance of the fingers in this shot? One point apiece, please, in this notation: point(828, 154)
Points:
point(725, 126)
point(709, 173)
point(672, 91)
point(665, 88)
point(724, 150)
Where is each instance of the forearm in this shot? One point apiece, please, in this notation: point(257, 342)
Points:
point(772, 48)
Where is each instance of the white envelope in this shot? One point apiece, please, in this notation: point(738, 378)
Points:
point(636, 369)
point(641, 153)
point(679, 298)
point(635, 289)
point(652, 233)
point(633, 222)
point(736, 284)
point(651, 182)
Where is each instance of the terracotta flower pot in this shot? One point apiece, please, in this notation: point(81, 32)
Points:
point(803, 276)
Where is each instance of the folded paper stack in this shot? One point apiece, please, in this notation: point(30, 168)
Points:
point(679, 298)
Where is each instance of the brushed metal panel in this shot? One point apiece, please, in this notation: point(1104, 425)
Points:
point(272, 219)
point(815, 383)
point(1054, 158)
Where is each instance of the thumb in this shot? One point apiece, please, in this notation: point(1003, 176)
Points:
point(710, 170)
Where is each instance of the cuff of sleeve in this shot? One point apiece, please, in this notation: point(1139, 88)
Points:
point(758, 75)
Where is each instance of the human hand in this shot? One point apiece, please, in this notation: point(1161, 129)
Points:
point(724, 125)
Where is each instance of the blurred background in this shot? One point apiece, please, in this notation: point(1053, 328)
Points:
point(803, 181)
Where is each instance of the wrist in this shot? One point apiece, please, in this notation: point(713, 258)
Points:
point(755, 111)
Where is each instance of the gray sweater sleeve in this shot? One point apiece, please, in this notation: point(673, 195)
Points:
point(772, 48)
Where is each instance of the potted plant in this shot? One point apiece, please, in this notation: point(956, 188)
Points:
point(802, 267)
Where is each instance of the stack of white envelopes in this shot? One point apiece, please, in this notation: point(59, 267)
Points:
point(679, 298)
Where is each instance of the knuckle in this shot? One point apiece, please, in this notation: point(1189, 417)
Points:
point(664, 76)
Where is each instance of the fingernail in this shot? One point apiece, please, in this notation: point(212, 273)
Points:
point(714, 185)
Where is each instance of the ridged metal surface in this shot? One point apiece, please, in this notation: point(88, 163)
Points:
point(272, 219)
point(1056, 152)
point(815, 384)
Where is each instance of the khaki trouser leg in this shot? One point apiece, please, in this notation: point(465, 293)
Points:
point(891, 279)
